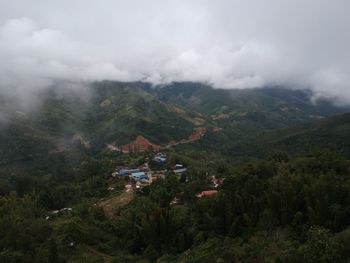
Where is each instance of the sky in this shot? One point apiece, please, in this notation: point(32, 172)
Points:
point(224, 43)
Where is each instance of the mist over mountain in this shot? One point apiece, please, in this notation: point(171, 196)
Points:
point(110, 114)
point(233, 44)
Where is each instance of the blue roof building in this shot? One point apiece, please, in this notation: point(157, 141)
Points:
point(139, 176)
point(159, 159)
point(124, 171)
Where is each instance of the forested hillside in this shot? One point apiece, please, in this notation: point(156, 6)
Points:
point(327, 133)
point(116, 113)
point(109, 113)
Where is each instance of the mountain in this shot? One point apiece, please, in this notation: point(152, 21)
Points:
point(122, 111)
point(277, 106)
point(111, 114)
point(102, 113)
point(330, 133)
point(239, 116)
point(208, 100)
point(60, 200)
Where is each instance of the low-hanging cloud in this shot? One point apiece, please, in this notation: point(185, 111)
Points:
point(228, 44)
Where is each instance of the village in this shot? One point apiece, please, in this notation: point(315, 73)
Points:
point(133, 178)
point(128, 178)
point(142, 176)
point(139, 165)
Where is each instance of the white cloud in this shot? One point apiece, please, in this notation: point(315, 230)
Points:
point(229, 44)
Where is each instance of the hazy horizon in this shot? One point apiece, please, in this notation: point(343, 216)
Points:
point(227, 44)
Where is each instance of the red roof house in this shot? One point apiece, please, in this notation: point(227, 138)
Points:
point(207, 193)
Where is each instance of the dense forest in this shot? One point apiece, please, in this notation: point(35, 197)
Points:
point(280, 209)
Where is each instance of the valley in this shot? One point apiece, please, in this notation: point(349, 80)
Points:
point(174, 131)
point(139, 173)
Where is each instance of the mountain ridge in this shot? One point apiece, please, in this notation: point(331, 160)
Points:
point(116, 113)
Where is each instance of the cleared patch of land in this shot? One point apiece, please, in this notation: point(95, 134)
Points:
point(110, 205)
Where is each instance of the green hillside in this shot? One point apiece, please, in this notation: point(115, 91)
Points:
point(294, 104)
point(113, 113)
point(329, 133)
point(122, 111)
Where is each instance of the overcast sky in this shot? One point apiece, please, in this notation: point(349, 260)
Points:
point(229, 44)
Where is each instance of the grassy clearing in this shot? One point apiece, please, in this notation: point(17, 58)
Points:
point(111, 204)
point(89, 255)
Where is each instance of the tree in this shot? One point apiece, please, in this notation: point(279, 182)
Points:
point(53, 255)
point(320, 246)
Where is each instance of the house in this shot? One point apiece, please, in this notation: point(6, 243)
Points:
point(174, 201)
point(207, 193)
point(121, 170)
point(179, 166)
point(139, 176)
point(69, 209)
point(145, 166)
point(160, 158)
point(180, 170)
point(217, 181)
point(126, 171)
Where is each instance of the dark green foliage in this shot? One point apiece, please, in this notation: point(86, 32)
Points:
point(281, 209)
point(53, 256)
point(320, 246)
